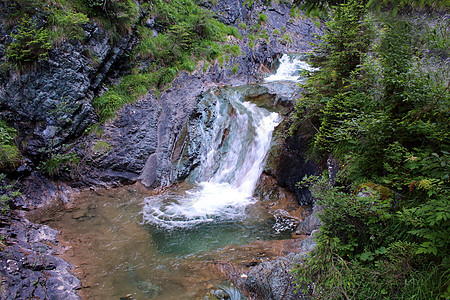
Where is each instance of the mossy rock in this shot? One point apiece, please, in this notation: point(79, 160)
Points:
point(372, 189)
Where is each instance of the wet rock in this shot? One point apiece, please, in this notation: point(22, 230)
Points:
point(287, 159)
point(311, 223)
point(273, 280)
point(38, 190)
point(28, 266)
point(141, 139)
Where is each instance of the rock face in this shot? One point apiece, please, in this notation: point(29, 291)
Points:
point(28, 265)
point(142, 142)
point(287, 160)
point(286, 34)
point(273, 280)
point(51, 105)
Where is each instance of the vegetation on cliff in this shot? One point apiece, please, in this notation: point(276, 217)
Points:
point(186, 34)
point(380, 100)
point(171, 36)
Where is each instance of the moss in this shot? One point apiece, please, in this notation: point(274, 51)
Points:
point(101, 147)
point(262, 18)
point(10, 157)
point(374, 189)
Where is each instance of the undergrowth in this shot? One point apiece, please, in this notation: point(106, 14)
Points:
point(380, 97)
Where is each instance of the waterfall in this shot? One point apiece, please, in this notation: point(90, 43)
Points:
point(223, 156)
point(233, 138)
point(290, 69)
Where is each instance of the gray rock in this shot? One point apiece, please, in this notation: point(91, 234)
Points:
point(273, 280)
point(287, 160)
point(51, 105)
point(311, 223)
point(27, 265)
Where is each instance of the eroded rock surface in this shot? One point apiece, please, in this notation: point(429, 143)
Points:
point(28, 265)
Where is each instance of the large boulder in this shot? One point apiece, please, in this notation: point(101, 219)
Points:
point(274, 280)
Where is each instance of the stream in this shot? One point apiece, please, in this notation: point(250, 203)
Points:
point(131, 243)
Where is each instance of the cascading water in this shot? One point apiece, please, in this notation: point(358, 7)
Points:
point(235, 137)
point(290, 69)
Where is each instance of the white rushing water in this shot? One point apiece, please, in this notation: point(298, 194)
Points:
point(290, 69)
point(235, 146)
point(235, 137)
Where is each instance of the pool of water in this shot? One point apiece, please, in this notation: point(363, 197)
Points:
point(117, 255)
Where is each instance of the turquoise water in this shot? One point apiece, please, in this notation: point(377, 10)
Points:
point(116, 254)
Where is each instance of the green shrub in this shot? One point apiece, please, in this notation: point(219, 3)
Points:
point(95, 3)
point(165, 76)
point(189, 65)
point(58, 163)
point(10, 156)
point(235, 68)
point(381, 107)
point(262, 18)
point(67, 24)
point(243, 26)
point(234, 50)
point(29, 43)
point(107, 104)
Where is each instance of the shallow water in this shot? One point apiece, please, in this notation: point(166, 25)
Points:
point(116, 254)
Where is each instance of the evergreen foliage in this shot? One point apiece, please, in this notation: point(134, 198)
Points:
point(29, 43)
point(386, 224)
